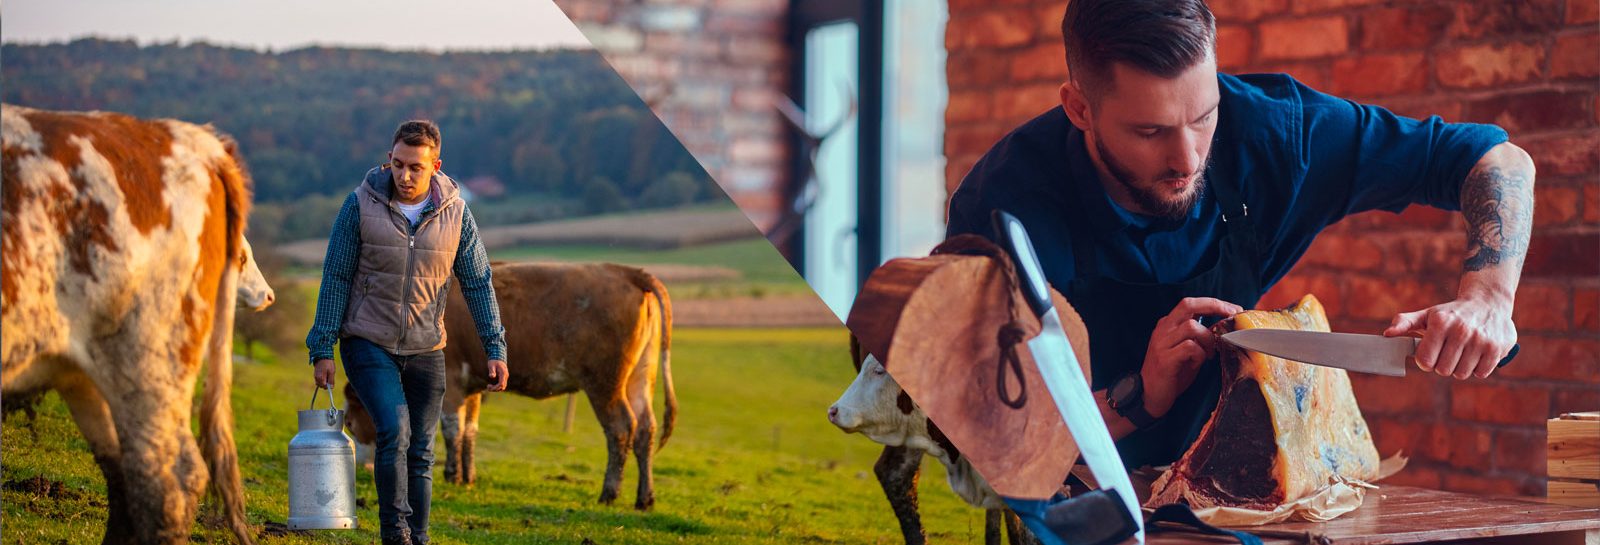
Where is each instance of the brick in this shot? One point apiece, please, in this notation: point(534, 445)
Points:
point(1050, 17)
point(1416, 475)
point(729, 23)
point(992, 28)
point(1411, 397)
point(1026, 102)
point(1582, 12)
point(1576, 56)
point(1343, 253)
point(1496, 485)
point(1471, 447)
point(1234, 43)
point(1519, 450)
point(1245, 10)
point(1498, 402)
point(1304, 280)
point(1534, 111)
point(1586, 309)
point(1047, 61)
point(755, 150)
point(1563, 255)
point(969, 106)
point(1403, 28)
point(1313, 74)
point(974, 137)
point(1564, 155)
point(1309, 6)
point(1380, 74)
point(1583, 397)
point(1425, 254)
point(1491, 19)
point(973, 69)
point(1489, 65)
point(1554, 205)
point(1381, 298)
point(1555, 358)
point(761, 50)
point(1543, 306)
point(1304, 38)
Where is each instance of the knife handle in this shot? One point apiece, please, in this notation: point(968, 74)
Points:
point(1014, 238)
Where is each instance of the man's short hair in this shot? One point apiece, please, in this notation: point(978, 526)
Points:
point(419, 132)
point(1162, 37)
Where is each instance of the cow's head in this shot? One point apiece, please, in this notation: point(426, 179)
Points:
point(253, 289)
point(875, 406)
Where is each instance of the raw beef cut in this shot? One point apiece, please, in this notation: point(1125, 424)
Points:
point(1281, 430)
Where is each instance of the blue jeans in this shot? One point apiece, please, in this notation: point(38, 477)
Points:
point(404, 395)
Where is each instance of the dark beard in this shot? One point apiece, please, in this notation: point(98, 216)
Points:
point(1149, 200)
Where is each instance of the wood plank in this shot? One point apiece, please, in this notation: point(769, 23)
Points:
point(1574, 449)
point(1397, 515)
point(1574, 493)
point(1591, 416)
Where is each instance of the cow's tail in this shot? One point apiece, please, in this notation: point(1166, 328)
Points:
point(650, 283)
point(216, 410)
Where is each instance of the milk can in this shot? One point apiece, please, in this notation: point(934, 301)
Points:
point(322, 471)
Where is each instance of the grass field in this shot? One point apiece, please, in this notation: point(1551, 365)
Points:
point(753, 460)
point(763, 272)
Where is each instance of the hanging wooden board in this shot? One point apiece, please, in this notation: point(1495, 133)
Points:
point(935, 322)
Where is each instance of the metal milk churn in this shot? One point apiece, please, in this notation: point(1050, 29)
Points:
point(322, 471)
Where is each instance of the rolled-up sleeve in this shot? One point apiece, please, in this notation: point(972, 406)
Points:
point(472, 270)
point(1368, 158)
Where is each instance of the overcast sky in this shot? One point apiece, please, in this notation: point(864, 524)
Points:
point(288, 24)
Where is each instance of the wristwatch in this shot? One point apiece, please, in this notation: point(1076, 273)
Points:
point(1126, 396)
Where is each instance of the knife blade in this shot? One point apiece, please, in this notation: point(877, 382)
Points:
point(1058, 367)
point(1349, 351)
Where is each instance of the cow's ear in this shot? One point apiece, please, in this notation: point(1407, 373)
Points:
point(855, 352)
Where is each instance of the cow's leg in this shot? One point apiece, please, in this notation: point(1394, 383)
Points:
point(450, 425)
point(897, 470)
point(469, 437)
point(616, 420)
point(641, 386)
point(991, 527)
point(1018, 532)
point(89, 410)
point(162, 470)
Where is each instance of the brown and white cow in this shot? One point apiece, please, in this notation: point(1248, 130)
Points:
point(874, 405)
point(124, 245)
point(599, 328)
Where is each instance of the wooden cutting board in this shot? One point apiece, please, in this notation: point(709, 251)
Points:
point(934, 322)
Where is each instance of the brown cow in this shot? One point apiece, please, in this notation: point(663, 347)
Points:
point(124, 245)
point(599, 328)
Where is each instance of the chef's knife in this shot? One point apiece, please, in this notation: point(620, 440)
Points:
point(1058, 367)
point(1350, 351)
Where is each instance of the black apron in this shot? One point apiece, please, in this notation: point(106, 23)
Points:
point(1120, 317)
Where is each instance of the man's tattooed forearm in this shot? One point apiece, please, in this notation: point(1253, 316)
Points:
point(1498, 205)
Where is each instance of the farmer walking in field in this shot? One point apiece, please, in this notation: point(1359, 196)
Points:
point(396, 243)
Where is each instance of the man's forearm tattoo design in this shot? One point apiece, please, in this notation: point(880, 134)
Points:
point(1498, 205)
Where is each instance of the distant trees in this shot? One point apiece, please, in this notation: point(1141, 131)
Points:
point(550, 124)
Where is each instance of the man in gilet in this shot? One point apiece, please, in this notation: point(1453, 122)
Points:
point(1161, 194)
point(399, 239)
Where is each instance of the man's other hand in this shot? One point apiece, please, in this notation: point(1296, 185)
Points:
point(323, 373)
point(1178, 345)
point(498, 375)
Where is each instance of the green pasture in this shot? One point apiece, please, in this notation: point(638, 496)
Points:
point(753, 460)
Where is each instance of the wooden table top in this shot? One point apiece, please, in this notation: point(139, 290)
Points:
point(1393, 515)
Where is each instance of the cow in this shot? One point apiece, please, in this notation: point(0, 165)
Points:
point(874, 405)
point(124, 247)
point(599, 328)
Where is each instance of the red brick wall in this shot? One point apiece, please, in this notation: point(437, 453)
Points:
point(713, 70)
point(1530, 67)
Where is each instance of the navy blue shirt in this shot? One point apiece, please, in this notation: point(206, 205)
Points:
point(1301, 160)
